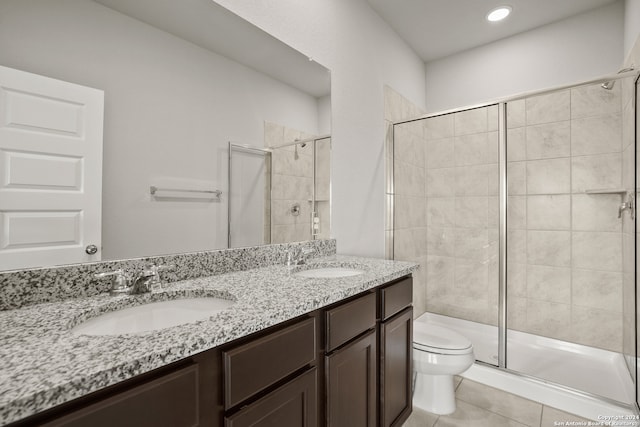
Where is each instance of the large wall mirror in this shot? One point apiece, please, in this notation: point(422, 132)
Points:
point(190, 89)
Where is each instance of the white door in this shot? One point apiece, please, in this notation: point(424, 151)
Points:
point(50, 171)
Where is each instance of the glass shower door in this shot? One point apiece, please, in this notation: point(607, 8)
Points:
point(570, 252)
point(446, 216)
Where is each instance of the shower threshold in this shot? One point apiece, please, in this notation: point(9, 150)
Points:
point(549, 361)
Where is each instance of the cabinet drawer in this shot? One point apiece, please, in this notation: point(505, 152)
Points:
point(171, 400)
point(254, 366)
point(294, 404)
point(349, 320)
point(396, 297)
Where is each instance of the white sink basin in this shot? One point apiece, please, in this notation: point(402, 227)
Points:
point(329, 272)
point(153, 316)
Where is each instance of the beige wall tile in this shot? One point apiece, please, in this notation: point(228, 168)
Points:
point(516, 178)
point(516, 144)
point(549, 283)
point(596, 172)
point(516, 116)
point(628, 129)
point(549, 212)
point(553, 107)
point(471, 280)
point(409, 149)
point(441, 212)
point(551, 248)
point(471, 149)
point(439, 153)
point(409, 212)
point(420, 288)
point(475, 180)
point(597, 289)
point(470, 121)
point(273, 134)
point(409, 180)
point(549, 176)
point(439, 127)
point(517, 313)
point(597, 328)
point(592, 100)
point(410, 244)
point(549, 140)
point(517, 279)
point(441, 241)
point(492, 118)
point(549, 319)
point(440, 273)
point(517, 246)
point(597, 250)
point(440, 182)
point(471, 212)
point(471, 243)
point(595, 212)
point(596, 135)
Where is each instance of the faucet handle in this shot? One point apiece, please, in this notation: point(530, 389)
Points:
point(121, 283)
point(152, 271)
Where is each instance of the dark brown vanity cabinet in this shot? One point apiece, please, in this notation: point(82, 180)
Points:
point(272, 380)
point(351, 363)
point(348, 364)
point(395, 341)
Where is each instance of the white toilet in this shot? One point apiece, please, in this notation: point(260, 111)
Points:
point(438, 354)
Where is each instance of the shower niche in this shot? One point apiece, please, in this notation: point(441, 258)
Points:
point(522, 216)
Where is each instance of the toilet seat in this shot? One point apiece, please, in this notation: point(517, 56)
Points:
point(437, 339)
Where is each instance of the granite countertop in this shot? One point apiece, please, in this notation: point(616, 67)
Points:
point(44, 364)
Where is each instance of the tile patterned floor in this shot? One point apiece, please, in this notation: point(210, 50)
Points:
point(482, 406)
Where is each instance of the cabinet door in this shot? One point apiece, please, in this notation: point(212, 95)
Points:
point(351, 384)
point(293, 405)
point(171, 400)
point(396, 337)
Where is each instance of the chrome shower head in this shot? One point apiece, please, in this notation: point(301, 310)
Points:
point(611, 83)
point(608, 85)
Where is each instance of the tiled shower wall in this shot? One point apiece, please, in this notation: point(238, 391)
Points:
point(565, 247)
point(406, 239)
point(292, 184)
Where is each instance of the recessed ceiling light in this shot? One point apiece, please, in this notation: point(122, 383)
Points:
point(499, 13)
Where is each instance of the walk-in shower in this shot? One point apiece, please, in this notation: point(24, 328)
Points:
point(521, 215)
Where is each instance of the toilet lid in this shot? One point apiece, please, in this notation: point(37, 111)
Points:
point(438, 338)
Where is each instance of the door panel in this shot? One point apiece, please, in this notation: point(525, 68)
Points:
point(50, 170)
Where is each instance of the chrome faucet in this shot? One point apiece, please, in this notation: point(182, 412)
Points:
point(125, 284)
point(121, 284)
point(297, 256)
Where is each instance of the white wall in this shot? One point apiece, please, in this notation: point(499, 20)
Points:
point(170, 109)
point(631, 27)
point(363, 54)
point(580, 48)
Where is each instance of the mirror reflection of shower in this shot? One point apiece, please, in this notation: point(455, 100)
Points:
point(279, 193)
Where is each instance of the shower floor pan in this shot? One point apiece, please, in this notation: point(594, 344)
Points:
point(599, 372)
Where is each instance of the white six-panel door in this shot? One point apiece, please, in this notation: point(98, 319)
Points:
point(50, 170)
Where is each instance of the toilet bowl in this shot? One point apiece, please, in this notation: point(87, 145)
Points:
point(438, 354)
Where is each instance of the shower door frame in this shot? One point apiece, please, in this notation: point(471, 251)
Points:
point(502, 224)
